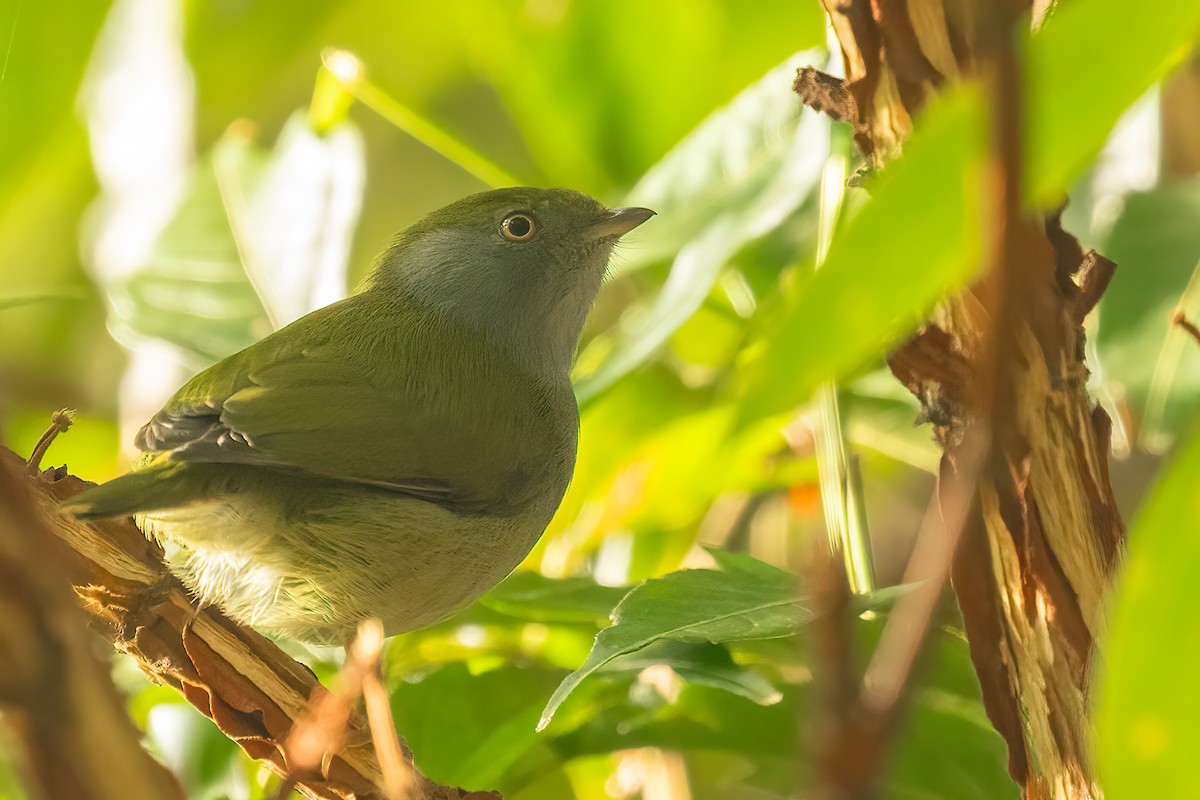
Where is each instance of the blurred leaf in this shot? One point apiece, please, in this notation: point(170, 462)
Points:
point(469, 730)
point(741, 174)
point(1156, 245)
point(881, 415)
point(918, 238)
point(586, 83)
point(1075, 90)
point(729, 160)
point(703, 718)
point(10, 768)
point(46, 181)
point(203, 758)
point(702, 663)
point(531, 595)
point(1148, 703)
point(193, 292)
point(749, 599)
point(16, 299)
point(294, 221)
point(948, 747)
point(262, 237)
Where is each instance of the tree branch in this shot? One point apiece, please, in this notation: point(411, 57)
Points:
point(251, 689)
point(57, 697)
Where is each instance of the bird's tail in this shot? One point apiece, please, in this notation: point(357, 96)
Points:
point(142, 490)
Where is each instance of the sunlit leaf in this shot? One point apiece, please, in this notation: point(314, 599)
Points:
point(618, 83)
point(1148, 704)
point(294, 221)
point(748, 599)
point(742, 173)
point(262, 237)
point(915, 240)
point(46, 182)
point(1075, 90)
point(531, 595)
point(946, 723)
point(469, 730)
point(703, 663)
point(1156, 245)
point(948, 747)
point(194, 748)
point(17, 299)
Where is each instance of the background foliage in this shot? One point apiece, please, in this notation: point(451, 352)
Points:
point(170, 189)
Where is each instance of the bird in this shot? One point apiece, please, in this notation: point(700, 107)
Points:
point(394, 454)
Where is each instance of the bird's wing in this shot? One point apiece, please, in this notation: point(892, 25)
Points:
point(349, 397)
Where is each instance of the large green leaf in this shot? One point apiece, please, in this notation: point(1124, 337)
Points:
point(702, 663)
point(46, 181)
point(916, 239)
point(600, 91)
point(738, 176)
point(262, 237)
point(470, 730)
point(1087, 65)
point(1156, 245)
point(18, 299)
point(747, 599)
point(1148, 703)
point(945, 746)
point(533, 596)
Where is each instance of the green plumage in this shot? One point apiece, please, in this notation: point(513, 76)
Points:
point(393, 454)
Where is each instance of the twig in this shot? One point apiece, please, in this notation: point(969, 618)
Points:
point(327, 725)
point(399, 777)
point(60, 422)
point(1182, 321)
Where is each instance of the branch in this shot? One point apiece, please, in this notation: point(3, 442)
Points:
point(55, 695)
point(251, 689)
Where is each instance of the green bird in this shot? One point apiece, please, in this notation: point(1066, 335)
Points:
point(397, 453)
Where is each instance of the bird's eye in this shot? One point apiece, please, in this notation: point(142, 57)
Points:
point(517, 227)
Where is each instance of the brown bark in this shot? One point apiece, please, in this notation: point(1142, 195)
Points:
point(75, 737)
point(1040, 543)
point(1179, 115)
point(251, 689)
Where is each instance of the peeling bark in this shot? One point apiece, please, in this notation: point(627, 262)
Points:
point(1043, 536)
point(73, 733)
point(251, 689)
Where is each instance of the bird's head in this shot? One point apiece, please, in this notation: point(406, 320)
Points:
point(522, 265)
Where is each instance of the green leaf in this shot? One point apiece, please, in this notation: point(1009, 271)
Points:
point(261, 238)
point(1156, 245)
point(46, 182)
point(949, 749)
point(194, 749)
point(599, 113)
point(946, 748)
point(742, 173)
point(702, 663)
point(1148, 703)
point(917, 238)
point(18, 299)
point(469, 730)
point(749, 599)
point(533, 596)
point(1089, 63)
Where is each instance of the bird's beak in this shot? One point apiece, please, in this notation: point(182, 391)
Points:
point(618, 222)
